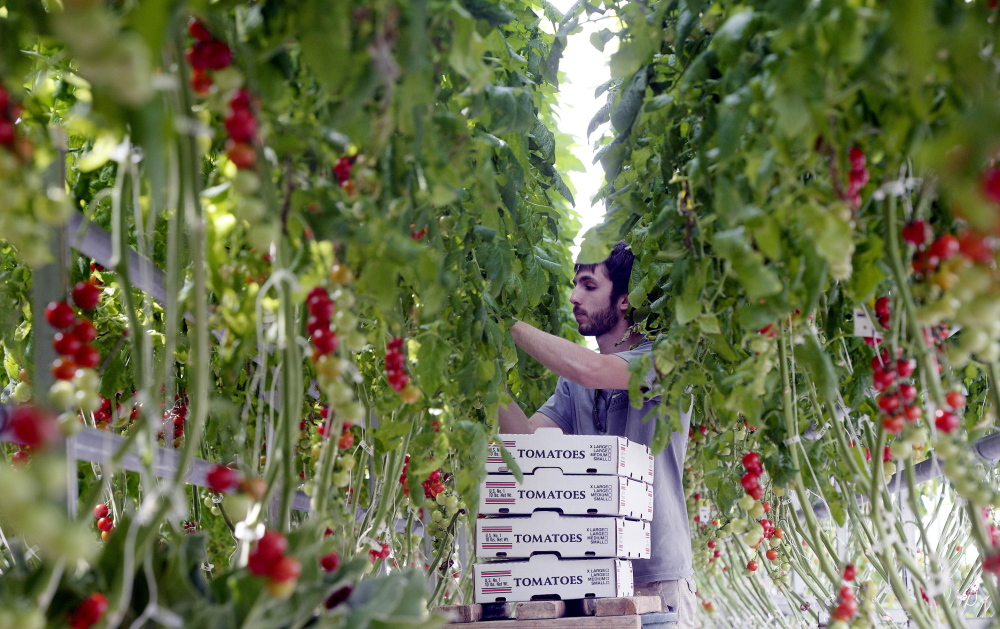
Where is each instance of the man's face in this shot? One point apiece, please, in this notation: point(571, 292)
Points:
point(595, 312)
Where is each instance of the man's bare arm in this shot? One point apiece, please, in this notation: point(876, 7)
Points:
point(571, 361)
point(513, 421)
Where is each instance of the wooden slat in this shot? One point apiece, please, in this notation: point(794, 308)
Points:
point(458, 614)
point(498, 611)
point(538, 610)
point(627, 606)
point(582, 622)
point(624, 606)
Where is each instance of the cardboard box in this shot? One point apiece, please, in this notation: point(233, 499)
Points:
point(568, 536)
point(573, 454)
point(547, 577)
point(550, 489)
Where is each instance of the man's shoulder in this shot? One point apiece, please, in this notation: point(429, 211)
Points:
point(644, 346)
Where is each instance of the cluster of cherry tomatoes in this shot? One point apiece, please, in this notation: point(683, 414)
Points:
point(73, 341)
point(394, 365)
point(268, 559)
point(342, 171)
point(205, 55)
point(241, 125)
point(382, 552)
point(897, 395)
point(847, 605)
point(858, 177)
point(321, 309)
point(9, 113)
point(89, 612)
point(105, 523)
point(751, 478)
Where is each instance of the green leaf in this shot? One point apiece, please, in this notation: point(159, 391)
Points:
point(758, 280)
point(688, 305)
point(494, 13)
point(630, 102)
point(731, 37)
point(510, 462)
point(819, 367)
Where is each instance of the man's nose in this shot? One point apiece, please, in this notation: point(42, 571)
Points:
point(574, 296)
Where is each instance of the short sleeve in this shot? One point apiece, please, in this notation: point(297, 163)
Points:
point(559, 408)
point(641, 350)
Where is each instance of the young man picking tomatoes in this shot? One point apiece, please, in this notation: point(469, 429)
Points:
point(591, 398)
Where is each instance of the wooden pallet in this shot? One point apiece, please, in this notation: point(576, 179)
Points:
point(590, 613)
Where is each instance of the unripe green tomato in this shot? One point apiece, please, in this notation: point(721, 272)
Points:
point(725, 451)
point(340, 393)
point(261, 235)
point(341, 478)
point(774, 542)
point(228, 79)
point(69, 424)
point(889, 468)
point(208, 502)
point(778, 491)
point(345, 320)
point(352, 412)
point(250, 209)
point(746, 502)
point(86, 380)
point(88, 400)
point(901, 449)
point(441, 498)
point(756, 528)
point(738, 526)
point(354, 341)
point(22, 393)
point(346, 463)
point(62, 395)
point(308, 488)
point(756, 511)
point(214, 510)
point(446, 223)
point(785, 566)
point(437, 516)
point(237, 506)
point(752, 538)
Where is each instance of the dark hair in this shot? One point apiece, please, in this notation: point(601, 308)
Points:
point(618, 266)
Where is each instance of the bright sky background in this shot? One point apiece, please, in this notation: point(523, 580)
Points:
point(585, 68)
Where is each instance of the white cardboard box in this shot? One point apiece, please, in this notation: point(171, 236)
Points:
point(569, 536)
point(549, 489)
point(573, 454)
point(546, 576)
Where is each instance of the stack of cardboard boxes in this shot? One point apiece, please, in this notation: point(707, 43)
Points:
point(571, 528)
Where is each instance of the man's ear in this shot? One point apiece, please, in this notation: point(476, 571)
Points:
point(622, 304)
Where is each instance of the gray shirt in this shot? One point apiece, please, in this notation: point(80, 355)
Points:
point(572, 408)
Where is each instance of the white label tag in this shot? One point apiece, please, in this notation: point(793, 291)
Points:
point(863, 326)
point(705, 513)
point(367, 447)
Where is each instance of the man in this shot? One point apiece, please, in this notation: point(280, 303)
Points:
point(591, 398)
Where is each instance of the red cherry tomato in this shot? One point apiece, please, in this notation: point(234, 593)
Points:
point(60, 315)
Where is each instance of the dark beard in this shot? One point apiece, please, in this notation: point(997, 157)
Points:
point(600, 323)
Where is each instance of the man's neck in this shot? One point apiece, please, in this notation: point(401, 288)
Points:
point(619, 339)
